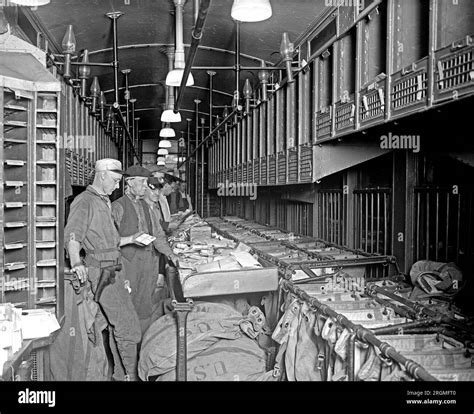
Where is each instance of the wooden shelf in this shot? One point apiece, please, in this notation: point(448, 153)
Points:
point(14, 163)
point(15, 224)
point(22, 124)
point(46, 162)
point(15, 266)
point(47, 263)
point(46, 224)
point(45, 244)
point(39, 141)
point(15, 183)
point(14, 204)
point(32, 173)
point(45, 203)
point(16, 107)
point(18, 141)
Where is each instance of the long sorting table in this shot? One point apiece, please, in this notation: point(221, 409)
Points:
point(374, 309)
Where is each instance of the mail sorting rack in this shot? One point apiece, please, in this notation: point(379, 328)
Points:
point(352, 348)
point(344, 293)
point(310, 255)
point(29, 126)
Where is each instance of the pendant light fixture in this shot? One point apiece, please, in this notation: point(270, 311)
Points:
point(174, 76)
point(168, 115)
point(30, 3)
point(251, 10)
point(167, 132)
point(161, 161)
point(163, 151)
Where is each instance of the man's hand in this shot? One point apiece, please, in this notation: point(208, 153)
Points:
point(131, 239)
point(81, 272)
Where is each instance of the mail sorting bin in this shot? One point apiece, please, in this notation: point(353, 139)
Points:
point(443, 357)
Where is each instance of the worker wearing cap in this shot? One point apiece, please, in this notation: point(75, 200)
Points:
point(163, 205)
point(184, 200)
point(163, 251)
point(131, 215)
point(173, 197)
point(91, 227)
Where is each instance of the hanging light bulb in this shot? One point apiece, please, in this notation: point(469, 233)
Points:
point(170, 116)
point(251, 10)
point(163, 151)
point(161, 161)
point(30, 3)
point(164, 143)
point(175, 76)
point(167, 132)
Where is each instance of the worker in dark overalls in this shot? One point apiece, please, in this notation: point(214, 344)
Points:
point(91, 227)
point(131, 215)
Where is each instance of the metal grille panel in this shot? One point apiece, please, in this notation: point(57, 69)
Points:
point(410, 87)
point(345, 116)
point(372, 105)
point(372, 215)
point(282, 168)
point(272, 170)
point(292, 166)
point(306, 163)
point(454, 70)
point(332, 216)
point(323, 124)
point(263, 171)
point(444, 224)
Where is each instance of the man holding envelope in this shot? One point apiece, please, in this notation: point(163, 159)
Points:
point(132, 217)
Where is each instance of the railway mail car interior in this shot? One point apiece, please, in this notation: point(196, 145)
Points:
point(307, 202)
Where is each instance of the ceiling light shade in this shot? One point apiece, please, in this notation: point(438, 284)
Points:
point(170, 116)
point(160, 161)
point(164, 143)
point(251, 10)
point(30, 3)
point(174, 78)
point(167, 133)
point(163, 151)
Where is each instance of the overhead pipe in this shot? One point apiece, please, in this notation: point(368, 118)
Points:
point(202, 167)
point(196, 38)
point(132, 119)
point(237, 110)
point(188, 143)
point(211, 92)
point(125, 73)
point(114, 16)
point(237, 63)
point(136, 133)
point(122, 123)
point(241, 67)
point(196, 167)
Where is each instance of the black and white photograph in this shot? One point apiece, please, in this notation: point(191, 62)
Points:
point(240, 200)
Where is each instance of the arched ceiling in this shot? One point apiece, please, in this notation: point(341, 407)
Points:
point(147, 27)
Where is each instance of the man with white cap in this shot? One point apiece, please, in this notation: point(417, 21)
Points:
point(91, 227)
